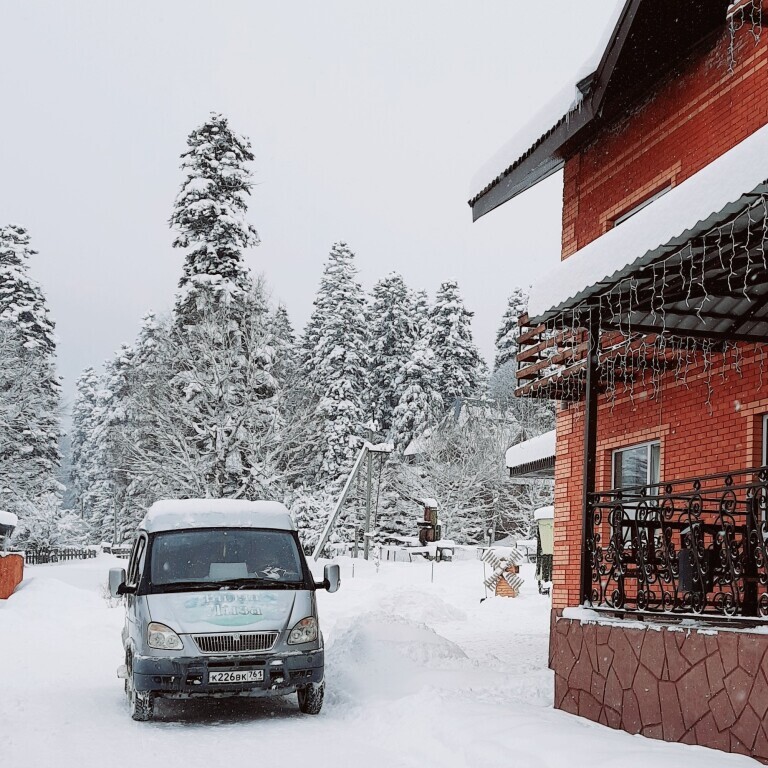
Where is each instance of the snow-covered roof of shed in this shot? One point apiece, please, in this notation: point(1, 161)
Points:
point(540, 447)
point(181, 514)
point(698, 203)
point(8, 518)
point(544, 513)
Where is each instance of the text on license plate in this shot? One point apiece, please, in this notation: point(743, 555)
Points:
point(237, 676)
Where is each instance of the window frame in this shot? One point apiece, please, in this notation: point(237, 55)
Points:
point(648, 444)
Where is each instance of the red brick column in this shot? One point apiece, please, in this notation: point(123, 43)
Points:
point(11, 574)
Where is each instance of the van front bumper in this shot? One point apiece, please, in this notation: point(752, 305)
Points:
point(189, 676)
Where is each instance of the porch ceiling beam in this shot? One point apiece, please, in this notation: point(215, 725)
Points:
point(694, 333)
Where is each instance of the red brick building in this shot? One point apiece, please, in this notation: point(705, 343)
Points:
point(653, 335)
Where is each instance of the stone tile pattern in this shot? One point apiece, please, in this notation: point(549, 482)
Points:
point(707, 688)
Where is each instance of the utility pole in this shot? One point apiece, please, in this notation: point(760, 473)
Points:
point(367, 529)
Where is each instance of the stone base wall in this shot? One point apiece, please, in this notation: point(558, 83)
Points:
point(11, 574)
point(706, 687)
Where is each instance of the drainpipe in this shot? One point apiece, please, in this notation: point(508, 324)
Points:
point(590, 449)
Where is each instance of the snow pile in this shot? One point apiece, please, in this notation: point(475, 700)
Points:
point(419, 672)
point(723, 181)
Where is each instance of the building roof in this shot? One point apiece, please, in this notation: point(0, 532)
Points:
point(649, 38)
point(183, 514)
point(533, 458)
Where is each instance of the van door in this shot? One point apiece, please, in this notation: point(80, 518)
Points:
point(135, 569)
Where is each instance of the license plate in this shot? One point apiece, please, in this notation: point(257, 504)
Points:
point(237, 676)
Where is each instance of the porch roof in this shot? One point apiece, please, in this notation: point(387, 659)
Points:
point(533, 458)
point(716, 194)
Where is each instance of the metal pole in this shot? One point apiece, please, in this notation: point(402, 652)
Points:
point(332, 519)
point(590, 450)
point(367, 506)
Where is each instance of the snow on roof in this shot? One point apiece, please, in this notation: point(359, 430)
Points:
point(8, 518)
point(560, 106)
point(431, 503)
point(541, 447)
point(178, 514)
point(722, 182)
point(544, 513)
point(565, 101)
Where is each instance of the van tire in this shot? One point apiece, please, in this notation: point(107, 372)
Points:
point(311, 698)
point(142, 706)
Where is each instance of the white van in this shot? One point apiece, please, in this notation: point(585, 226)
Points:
point(219, 602)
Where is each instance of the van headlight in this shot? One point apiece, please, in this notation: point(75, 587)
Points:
point(304, 632)
point(163, 638)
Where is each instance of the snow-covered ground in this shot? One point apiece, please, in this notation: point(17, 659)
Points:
point(418, 674)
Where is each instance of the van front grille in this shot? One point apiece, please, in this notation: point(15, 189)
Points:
point(234, 642)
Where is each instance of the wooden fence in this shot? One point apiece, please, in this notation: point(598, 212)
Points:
point(55, 554)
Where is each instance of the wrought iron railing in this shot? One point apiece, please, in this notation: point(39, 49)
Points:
point(690, 546)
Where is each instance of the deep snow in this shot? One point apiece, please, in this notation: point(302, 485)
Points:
point(419, 674)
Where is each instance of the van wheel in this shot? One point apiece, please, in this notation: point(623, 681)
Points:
point(311, 698)
point(141, 704)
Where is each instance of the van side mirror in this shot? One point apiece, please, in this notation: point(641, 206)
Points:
point(116, 581)
point(332, 578)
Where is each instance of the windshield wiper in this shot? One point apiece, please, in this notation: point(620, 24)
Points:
point(184, 586)
point(257, 581)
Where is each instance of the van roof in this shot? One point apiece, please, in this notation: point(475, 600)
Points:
point(181, 514)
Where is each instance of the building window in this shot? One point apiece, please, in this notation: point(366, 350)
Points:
point(636, 465)
point(639, 207)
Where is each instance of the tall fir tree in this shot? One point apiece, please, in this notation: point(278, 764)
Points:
point(503, 380)
point(335, 363)
point(85, 462)
point(209, 216)
point(508, 334)
point(29, 387)
point(420, 404)
point(284, 342)
point(393, 331)
point(460, 367)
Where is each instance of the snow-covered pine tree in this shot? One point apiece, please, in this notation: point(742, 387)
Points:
point(209, 215)
point(108, 494)
point(284, 343)
point(22, 304)
point(421, 312)
point(509, 332)
point(420, 404)
point(29, 387)
point(460, 367)
point(85, 463)
point(393, 330)
point(503, 380)
point(335, 366)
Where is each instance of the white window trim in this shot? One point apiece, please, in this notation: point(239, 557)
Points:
point(647, 444)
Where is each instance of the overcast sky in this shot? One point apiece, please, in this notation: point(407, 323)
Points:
point(367, 120)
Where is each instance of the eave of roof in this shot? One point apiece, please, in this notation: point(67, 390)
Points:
point(549, 152)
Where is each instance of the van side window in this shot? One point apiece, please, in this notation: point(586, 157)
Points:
point(133, 565)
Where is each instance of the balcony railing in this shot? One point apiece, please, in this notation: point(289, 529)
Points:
point(696, 546)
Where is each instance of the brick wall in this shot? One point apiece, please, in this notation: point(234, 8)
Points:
point(693, 118)
point(695, 439)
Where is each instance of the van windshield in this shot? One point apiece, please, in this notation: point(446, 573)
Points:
point(225, 558)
